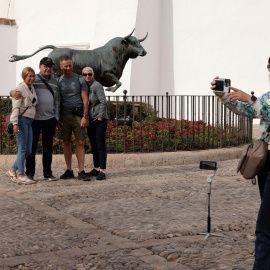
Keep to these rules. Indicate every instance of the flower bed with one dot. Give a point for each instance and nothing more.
(150, 135)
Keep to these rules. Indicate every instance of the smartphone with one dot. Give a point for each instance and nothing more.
(208, 165)
(222, 85)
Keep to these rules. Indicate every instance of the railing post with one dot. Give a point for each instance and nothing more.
(116, 116)
(167, 105)
(125, 116)
(168, 117)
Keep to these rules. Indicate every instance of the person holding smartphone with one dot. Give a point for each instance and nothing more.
(249, 105)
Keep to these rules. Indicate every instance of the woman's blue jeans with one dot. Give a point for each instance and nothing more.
(24, 143)
(262, 243)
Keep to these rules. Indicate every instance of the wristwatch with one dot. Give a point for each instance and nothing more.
(252, 98)
(86, 116)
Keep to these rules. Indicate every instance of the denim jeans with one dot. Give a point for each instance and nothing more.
(262, 243)
(47, 129)
(97, 136)
(24, 143)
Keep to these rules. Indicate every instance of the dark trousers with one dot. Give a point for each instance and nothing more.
(47, 129)
(262, 243)
(97, 136)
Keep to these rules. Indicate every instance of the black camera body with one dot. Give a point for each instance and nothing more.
(222, 85)
(208, 165)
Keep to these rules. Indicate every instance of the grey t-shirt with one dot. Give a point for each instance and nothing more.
(70, 93)
(48, 106)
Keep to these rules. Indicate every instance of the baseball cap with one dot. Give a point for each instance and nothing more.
(46, 61)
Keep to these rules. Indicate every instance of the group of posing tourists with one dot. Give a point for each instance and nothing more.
(72, 103)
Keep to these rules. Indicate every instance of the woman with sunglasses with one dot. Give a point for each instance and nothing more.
(23, 112)
(97, 124)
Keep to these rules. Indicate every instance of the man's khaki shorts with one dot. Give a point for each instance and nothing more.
(71, 123)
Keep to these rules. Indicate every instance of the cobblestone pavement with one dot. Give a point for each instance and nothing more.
(139, 218)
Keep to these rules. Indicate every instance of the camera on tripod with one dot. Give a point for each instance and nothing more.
(210, 166)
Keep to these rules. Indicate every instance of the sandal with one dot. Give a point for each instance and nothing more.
(12, 176)
(25, 180)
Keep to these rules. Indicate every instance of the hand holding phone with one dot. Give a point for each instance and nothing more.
(222, 85)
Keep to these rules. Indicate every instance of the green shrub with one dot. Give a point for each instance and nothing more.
(6, 106)
(145, 110)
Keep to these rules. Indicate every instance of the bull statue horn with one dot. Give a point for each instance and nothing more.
(129, 34)
(141, 40)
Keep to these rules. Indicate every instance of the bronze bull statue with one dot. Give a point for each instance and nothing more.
(108, 61)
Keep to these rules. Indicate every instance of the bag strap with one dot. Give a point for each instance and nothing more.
(22, 113)
(48, 86)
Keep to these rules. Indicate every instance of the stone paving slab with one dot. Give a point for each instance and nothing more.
(145, 218)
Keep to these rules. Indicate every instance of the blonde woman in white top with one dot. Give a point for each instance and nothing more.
(23, 125)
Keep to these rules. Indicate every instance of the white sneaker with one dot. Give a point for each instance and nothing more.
(25, 180)
(12, 176)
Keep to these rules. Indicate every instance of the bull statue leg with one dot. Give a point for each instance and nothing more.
(113, 80)
(113, 89)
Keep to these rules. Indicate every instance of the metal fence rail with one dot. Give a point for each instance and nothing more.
(158, 123)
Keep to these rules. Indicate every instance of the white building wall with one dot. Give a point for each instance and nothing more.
(8, 46)
(145, 70)
(7, 9)
(153, 74)
(189, 42)
(226, 38)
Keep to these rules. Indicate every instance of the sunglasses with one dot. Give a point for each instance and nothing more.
(47, 66)
(87, 74)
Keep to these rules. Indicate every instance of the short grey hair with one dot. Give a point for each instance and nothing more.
(87, 68)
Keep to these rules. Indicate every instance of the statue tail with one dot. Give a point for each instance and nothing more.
(15, 58)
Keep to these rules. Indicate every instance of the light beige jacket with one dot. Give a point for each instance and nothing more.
(18, 106)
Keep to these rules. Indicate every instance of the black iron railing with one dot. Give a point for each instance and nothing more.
(158, 123)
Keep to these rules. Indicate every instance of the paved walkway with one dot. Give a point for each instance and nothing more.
(144, 218)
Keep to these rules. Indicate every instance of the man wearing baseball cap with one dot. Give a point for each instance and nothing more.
(47, 115)
(46, 61)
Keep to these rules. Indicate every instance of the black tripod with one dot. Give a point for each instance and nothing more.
(208, 234)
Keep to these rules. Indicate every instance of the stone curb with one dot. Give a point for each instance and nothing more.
(142, 159)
